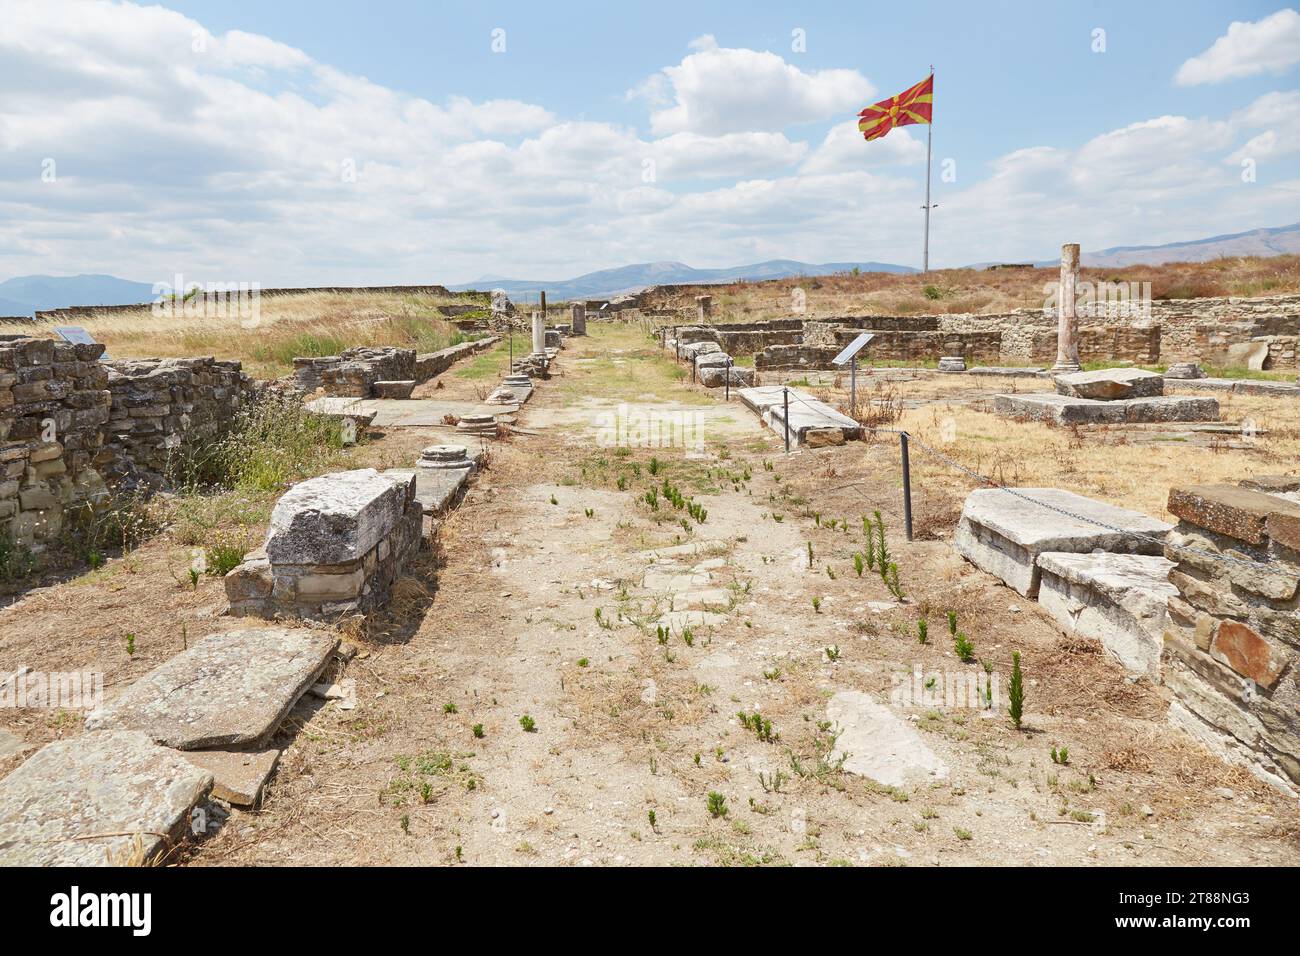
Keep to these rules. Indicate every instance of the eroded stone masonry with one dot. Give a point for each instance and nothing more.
(1261, 333)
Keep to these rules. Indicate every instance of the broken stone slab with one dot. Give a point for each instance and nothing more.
(393, 389)
(1171, 408)
(674, 581)
(706, 600)
(1007, 371)
(714, 377)
(335, 518)
(1067, 410)
(874, 742)
(952, 363)
(689, 352)
(1184, 370)
(1004, 533)
(239, 776)
(709, 546)
(228, 690)
(1061, 409)
(1109, 384)
(1118, 599)
(83, 801)
(713, 359)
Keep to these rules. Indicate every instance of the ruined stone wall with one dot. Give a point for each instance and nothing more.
(161, 406)
(354, 372)
(431, 364)
(336, 545)
(1233, 642)
(54, 402)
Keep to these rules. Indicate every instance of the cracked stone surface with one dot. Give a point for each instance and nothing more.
(77, 802)
(227, 690)
(878, 744)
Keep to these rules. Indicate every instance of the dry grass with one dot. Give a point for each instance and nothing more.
(1130, 466)
(286, 327)
(953, 291)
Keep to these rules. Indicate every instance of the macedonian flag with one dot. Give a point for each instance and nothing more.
(911, 106)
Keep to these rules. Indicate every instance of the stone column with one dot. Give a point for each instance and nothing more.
(578, 320)
(704, 305)
(539, 332)
(1067, 330)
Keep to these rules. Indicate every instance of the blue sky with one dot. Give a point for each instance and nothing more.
(297, 142)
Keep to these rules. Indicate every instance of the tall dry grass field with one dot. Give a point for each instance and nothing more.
(954, 291)
(283, 328)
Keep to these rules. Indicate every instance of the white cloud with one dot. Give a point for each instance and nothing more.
(1270, 45)
(717, 90)
(227, 163)
(844, 150)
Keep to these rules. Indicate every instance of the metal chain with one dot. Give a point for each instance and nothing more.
(992, 483)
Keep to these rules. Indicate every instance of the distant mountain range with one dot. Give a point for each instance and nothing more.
(26, 294)
(1279, 241)
(608, 282)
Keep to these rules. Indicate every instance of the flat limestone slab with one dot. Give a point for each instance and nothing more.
(228, 690)
(75, 802)
(335, 518)
(1118, 599)
(675, 581)
(705, 600)
(1062, 409)
(1108, 384)
(712, 546)
(436, 489)
(1068, 410)
(239, 776)
(879, 744)
(806, 412)
(1004, 534)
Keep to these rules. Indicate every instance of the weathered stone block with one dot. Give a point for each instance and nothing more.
(1246, 652)
(1111, 383)
(335, 518)
(1236, 512)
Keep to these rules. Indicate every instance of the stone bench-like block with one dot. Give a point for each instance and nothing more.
(1118, 599)
(336, 545)
(1003, 533)
(334, 518)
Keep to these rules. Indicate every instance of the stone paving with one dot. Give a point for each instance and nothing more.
(227, 690)
(85, 801)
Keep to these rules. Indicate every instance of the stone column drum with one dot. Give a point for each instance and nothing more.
(1067, 330)
(539, 333)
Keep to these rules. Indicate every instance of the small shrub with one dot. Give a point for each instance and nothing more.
(717, 804)
(1016, 690)
(529, 725)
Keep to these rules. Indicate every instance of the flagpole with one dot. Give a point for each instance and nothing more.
(929, 138)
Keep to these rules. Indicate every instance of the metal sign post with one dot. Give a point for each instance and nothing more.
(853, 388)
(907, 485)
(785, 396)
(850, 355)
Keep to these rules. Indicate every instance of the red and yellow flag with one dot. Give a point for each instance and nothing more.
(913, 105)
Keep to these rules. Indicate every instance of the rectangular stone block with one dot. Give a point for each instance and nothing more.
(1236, 512)
(1004, 533)
(335, 518)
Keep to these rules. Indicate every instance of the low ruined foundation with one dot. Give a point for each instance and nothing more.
(336, 545)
